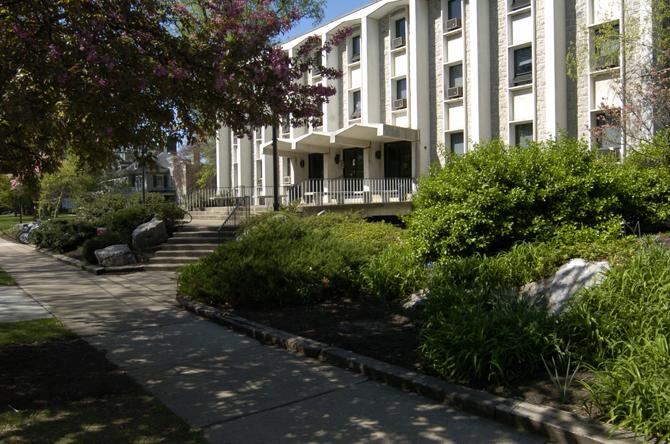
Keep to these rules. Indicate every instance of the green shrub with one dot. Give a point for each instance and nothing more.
(285, 260)
(62, 235)
(168, 212)
(479, 330)
(125, 220)
(99, 242)
(395, 273)
(632, 304)
(495, 196)
(633, 390)
(98, 206)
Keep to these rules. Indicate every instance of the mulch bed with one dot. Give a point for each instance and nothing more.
(389, 333)
(44, 375)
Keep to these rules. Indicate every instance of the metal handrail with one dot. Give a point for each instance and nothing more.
(243, 203)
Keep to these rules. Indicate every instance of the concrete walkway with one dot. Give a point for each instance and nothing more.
(235, 389)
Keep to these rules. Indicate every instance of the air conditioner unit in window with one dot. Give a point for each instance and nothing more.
(356, 115)
(398, 42)
(522, 79)
(454, 23)
(400, 104)
(518, 4)
(259, 182)
(355, 58)
(287, 180)
(456, 91)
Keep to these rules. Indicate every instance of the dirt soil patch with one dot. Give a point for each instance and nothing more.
(389, 333)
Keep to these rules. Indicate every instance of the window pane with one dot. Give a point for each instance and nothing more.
(401, 89)
(400, 28)
(456, 143)
(606, 48)
(454, 9)
(523, 61)
(455, 76)
(356, 45)
(356, 99)
(523, 134)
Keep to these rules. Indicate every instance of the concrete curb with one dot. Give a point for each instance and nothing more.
(557, 425)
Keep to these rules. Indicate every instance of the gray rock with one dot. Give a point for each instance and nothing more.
(555, 291)
(115, 256)
(416, 300)
(150, 234)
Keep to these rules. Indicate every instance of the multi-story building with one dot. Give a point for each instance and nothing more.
(419, 75)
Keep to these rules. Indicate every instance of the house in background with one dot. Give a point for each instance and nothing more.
(419, 75)
(157, 174)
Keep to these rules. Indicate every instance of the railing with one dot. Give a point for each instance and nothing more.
(238, 213)
(319, 192)
(310, 192)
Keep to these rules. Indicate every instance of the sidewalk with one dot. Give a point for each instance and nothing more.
(235, 389)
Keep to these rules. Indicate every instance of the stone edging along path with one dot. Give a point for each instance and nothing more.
(558, 425)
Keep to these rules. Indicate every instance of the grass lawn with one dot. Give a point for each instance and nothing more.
(5, 278)
(7, 221)
(56, 388)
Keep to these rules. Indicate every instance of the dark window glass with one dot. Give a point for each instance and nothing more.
(356, 102)
(400, 28)
(523, 64)
(166, 182)
(401, 89)
(454, 9)
(606, 48)
(356, 47)
(455, 76)
(523, 134)
(456, 143)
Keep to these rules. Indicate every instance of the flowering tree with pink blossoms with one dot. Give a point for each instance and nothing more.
(92, 76)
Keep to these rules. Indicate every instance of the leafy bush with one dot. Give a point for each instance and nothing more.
(395, 273)
(495, 196)
(168, 212)
(98, 206)
(284, 260)
(479, 330)
(62, 235)
(125, 220)
(99, 242)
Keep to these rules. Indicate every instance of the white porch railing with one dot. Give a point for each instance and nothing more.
(310, 192)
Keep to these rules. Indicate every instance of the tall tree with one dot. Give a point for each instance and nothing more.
(91, 76)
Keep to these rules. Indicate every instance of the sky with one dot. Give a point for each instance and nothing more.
(332, 10)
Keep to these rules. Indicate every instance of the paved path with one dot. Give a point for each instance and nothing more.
(16, 305)
(235, 389)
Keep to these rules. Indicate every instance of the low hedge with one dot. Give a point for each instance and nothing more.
(62, 235)
(283, 259)
(100, 242)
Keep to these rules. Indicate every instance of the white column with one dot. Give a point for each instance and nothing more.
(419, 92)
(555, 68)
(480, 80)
(370, 82)
(245, 159)
(223, 149)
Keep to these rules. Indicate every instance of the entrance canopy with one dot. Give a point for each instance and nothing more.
(359, 135)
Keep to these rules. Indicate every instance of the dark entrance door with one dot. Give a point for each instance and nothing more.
(315, 164)
(353, 163)
(398, 159)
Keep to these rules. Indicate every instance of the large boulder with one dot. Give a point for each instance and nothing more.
(115, 256)
(150, 234)
(555, 291)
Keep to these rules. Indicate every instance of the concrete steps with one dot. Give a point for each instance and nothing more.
(191, 243)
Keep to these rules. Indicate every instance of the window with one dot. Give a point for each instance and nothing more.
(401, 89)
(259, 169)
(166, 181)
(286, 167)
(400, 28)
(454, 9)
(523, 65)
(606, 48)
(156, 180)
(456, 76)
(518, 4)
(607, 132)
(456, 143)
(355, 48)
(355, 104)
(523, 134)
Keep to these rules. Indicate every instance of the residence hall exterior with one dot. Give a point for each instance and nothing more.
(425, 75)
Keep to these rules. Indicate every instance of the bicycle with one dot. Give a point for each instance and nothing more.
(23, 235)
